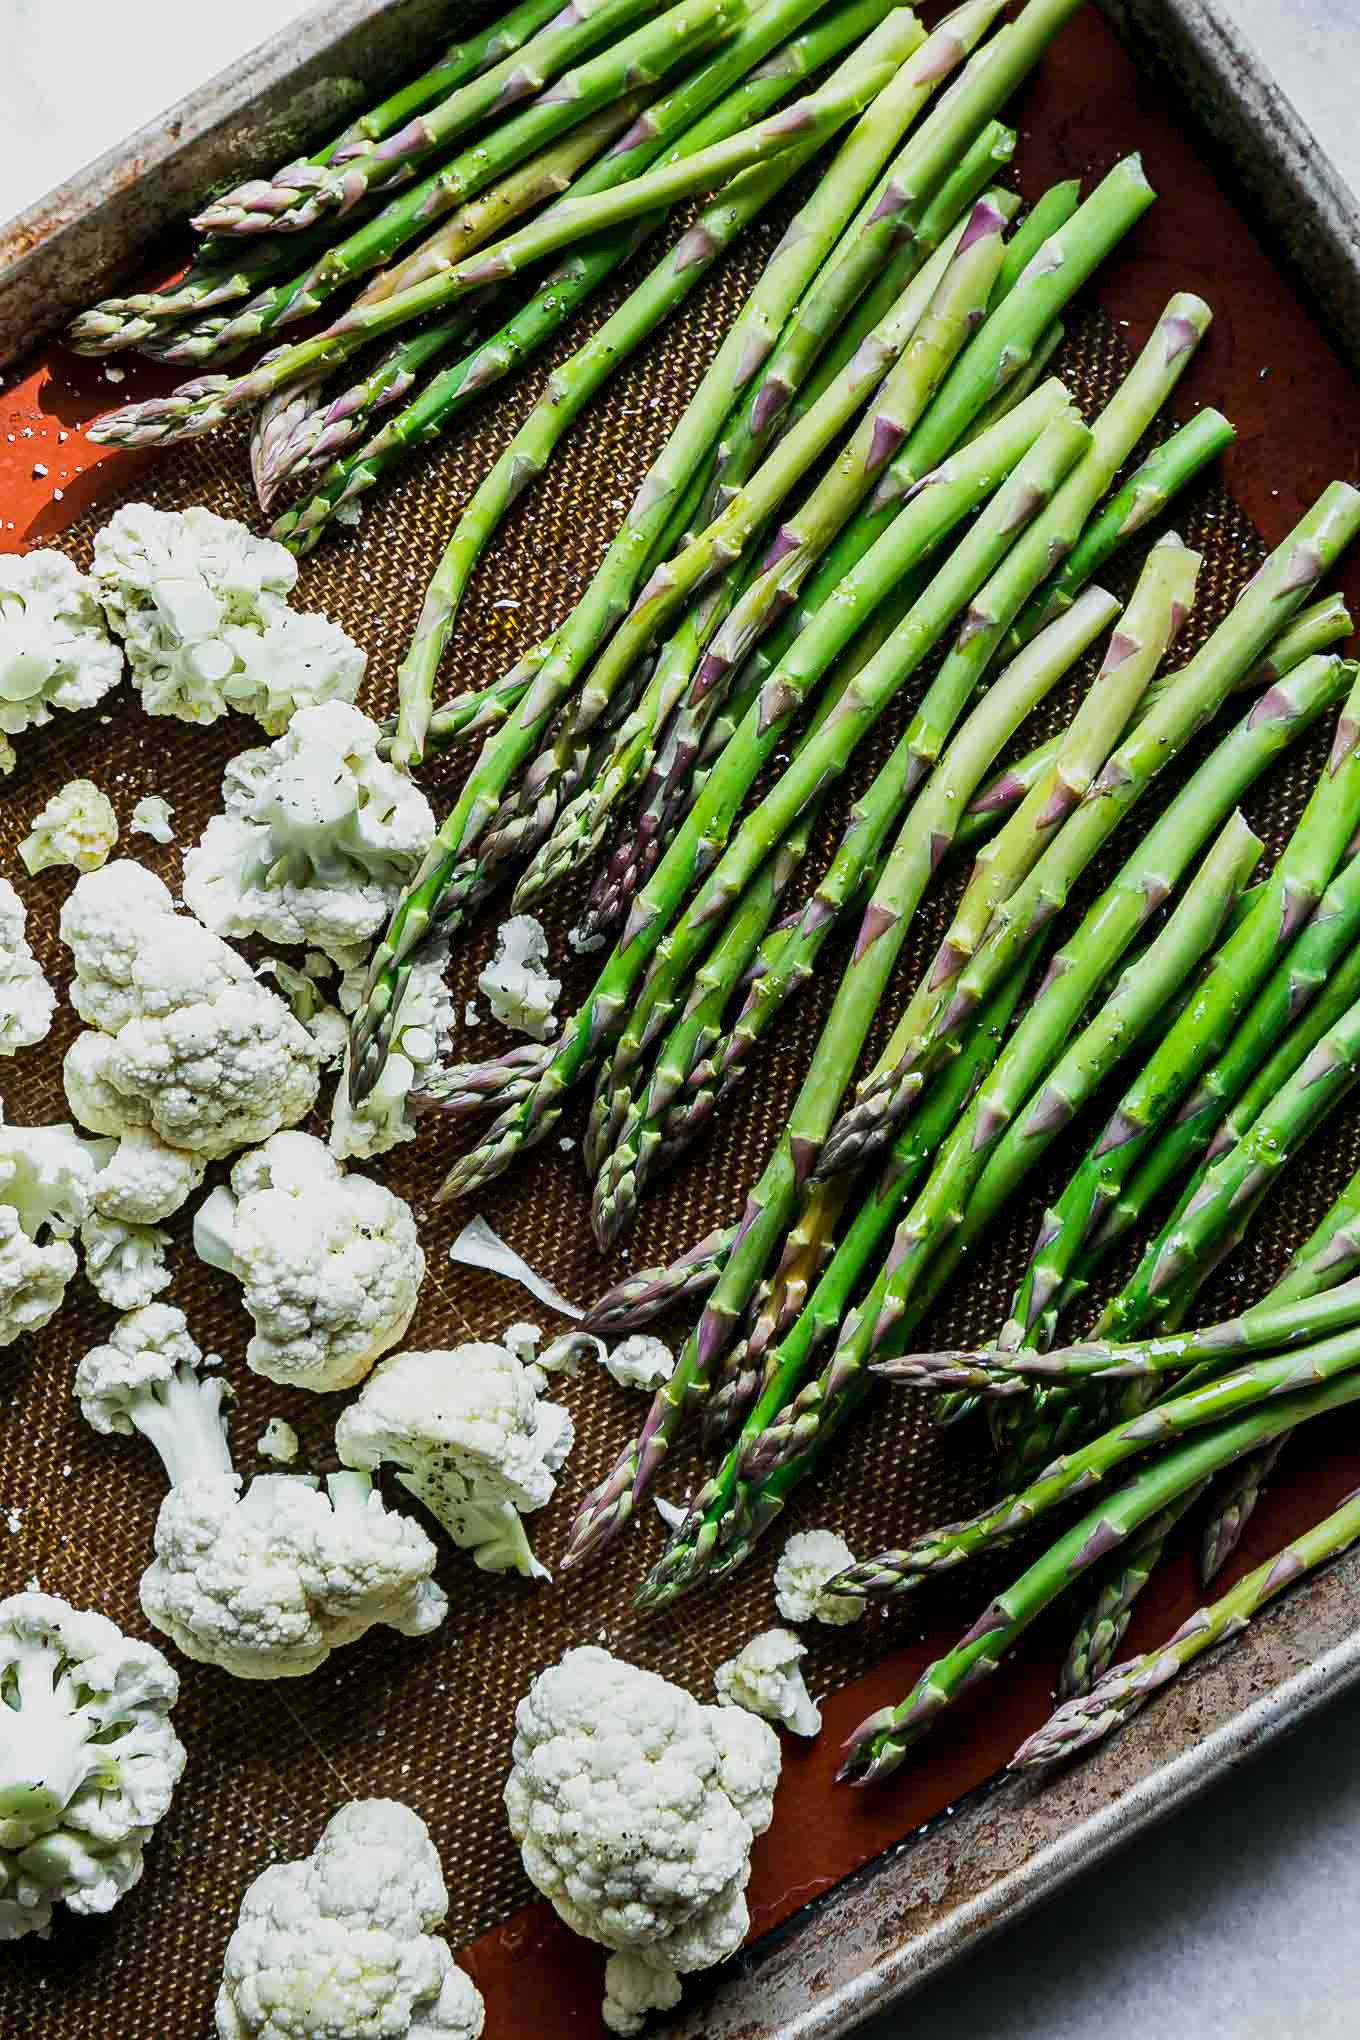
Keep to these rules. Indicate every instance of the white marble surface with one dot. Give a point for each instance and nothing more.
(1237, 1922)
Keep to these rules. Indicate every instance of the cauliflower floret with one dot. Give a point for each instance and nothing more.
(8, 757)
(266, 1584)
(125, 1263)
(33, 1278)
(145, 1180)
(764, 1678)
(27, 1001)
(296, 662)
(54, 649)
(633, 1987)
(146, 1378)
(343, 1942)
(807, 1562)
(172, 582)
(425, 1022)
(200, 604)
(470, 1438)
(318, 838)
(192, 1045)
(330, 1262)
(47, 1180)
(642, 1361)
(635, 1808)
(88, 1761)
(77, 827)
(520, 992)
(152, 817)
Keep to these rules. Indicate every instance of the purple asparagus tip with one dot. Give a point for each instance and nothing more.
(984, 220)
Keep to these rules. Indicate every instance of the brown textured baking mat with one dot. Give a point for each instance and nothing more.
(430, 1721)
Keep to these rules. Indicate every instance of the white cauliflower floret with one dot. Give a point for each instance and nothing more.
(54, 649)
(635, 1808)
(296, 662)
(318, 838)
(266, 1584)
(88, 1760)
(33, 1278)
(341, 1945)
(145, 1179)
(330, 1262)
(200, 604)
(641, 1361)
(633, 1987)
(807, 1562)
(521, 993)
(125, 1263)
(424, 1028)
(47, 1182)
(192, 1045)
(152, 817)
(77, 827)
(469, 1437)
(27, 1001)
(764, 1678)
(146, 1378)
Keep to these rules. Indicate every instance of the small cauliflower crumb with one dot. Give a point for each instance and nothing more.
(152, 817)
(279, 1441)
(77, 827)
(764, 1678)
(807, 1562)
(521, 993)
(471, 1017)
(642, 1361)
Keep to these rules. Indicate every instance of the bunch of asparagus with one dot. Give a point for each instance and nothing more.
(586, 126)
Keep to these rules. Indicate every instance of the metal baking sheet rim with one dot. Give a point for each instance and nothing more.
(1011, 1845)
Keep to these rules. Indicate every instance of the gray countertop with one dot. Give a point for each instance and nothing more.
(1227, 1924)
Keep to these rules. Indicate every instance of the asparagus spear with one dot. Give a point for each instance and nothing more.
(1315, 629)
(641, 1298)
(1330, 1254)
(718, 1529)
(1325, 1076)
(222, 271)
(1160, 603)
(1271, 1326)
(1103, 1626)
(919, 529)
(669, 125)
(200, 406)
(303, 194)
(880, 1743)
(954, 309)
(1119, 1695)
(1197, 693)
(1233, 1508)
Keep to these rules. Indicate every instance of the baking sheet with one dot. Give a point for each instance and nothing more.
(269, 1763)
